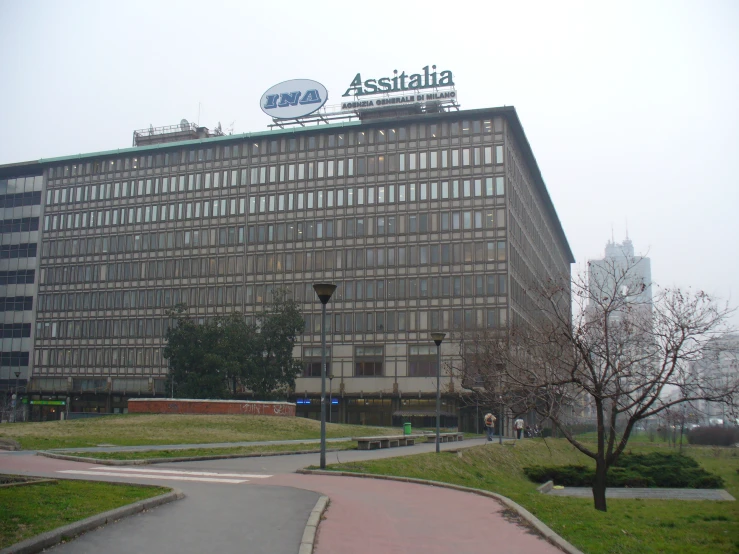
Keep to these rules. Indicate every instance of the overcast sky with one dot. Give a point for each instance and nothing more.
(630, 108)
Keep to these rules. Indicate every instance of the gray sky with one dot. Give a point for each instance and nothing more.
(630, 108)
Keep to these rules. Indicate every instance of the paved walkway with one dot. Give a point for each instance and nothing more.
(389, 517)
(267, 514)
(657, 494)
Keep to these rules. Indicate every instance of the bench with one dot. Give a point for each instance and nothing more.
(446, 437)
(373, 443)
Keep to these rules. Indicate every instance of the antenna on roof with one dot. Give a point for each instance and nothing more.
(627, 228)
(184, 124)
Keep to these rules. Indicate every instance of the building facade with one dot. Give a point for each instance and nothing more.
(427, 221)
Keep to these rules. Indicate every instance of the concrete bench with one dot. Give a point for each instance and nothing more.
(446, 437)
(373, 443)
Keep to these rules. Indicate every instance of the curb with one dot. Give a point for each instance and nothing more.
(148, 461)
(311, 527)
(523, 513)
(55, 536)
(27, 483)
(546, 487)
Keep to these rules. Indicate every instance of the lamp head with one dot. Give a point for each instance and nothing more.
(324, 291)
(17, 374)
(438, 338)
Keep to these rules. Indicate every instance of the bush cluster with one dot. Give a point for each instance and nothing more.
(714, 436)
(656, 469)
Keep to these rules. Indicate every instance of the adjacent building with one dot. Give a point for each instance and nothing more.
(425, 221)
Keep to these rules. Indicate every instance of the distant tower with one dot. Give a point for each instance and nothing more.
(619, 257)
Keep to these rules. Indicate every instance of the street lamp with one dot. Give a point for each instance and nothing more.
(324, 292)
(15, 396)
(438, 338)
(330, 391)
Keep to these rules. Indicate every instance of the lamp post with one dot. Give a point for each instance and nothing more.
(15, 396)
(324, 292)
(330, 391)
(438, 338)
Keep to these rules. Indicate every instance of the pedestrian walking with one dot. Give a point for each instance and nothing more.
(519, 425)
(490, 425)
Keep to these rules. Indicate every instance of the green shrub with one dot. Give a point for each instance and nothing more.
(633, 470)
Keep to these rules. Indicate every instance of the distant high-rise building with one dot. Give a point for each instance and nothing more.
(634, 275)
(622, 272)
(718, 365)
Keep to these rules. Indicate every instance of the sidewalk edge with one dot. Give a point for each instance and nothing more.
(147, 461)
(55, 536)
(527, 516)
(308, 541)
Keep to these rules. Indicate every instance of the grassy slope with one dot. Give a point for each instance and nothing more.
(241, 450)
(132, 430)
(29, 510)
(629, 526)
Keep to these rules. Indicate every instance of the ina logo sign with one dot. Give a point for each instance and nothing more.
(295, 98)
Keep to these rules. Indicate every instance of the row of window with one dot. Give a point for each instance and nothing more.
(379, 164)
(133, 271)
(282, 173)
(17, 277)
(19, 225)
(32, 198)
(416, 368)
(17, 185)
(145, 187)
(381, 194)
(14, 359)
(225, 207)
(103, 328)
(146, 214)
(142, 298)
(143, 242)
(411, 223)
(371, 257)
(360, 290)
(299, 261)
(16, 303)
(15, 330)
(24, 250)
(281, 232)
(267, 146)
(100, 357)
(408, 321)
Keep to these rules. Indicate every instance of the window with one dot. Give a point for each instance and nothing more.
(368, 360)
(312, 361)
(20, 277)
(422, 361)
(16, 303)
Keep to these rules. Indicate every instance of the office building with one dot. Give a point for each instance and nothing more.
(426, 220)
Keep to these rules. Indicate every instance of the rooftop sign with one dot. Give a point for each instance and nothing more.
(295, 98)
(400, 83)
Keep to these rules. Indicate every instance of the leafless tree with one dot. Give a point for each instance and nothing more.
(611, 349)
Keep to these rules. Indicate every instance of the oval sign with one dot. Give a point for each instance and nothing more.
(294, 98)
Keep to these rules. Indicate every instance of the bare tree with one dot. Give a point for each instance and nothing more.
(612, 349)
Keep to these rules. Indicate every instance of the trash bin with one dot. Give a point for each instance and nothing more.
(406, 428)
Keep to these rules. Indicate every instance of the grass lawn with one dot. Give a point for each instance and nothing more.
(629, 526)
(145, 429)
(33, 509)
(236, 450)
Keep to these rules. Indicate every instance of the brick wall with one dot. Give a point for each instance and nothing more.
(229, 407)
